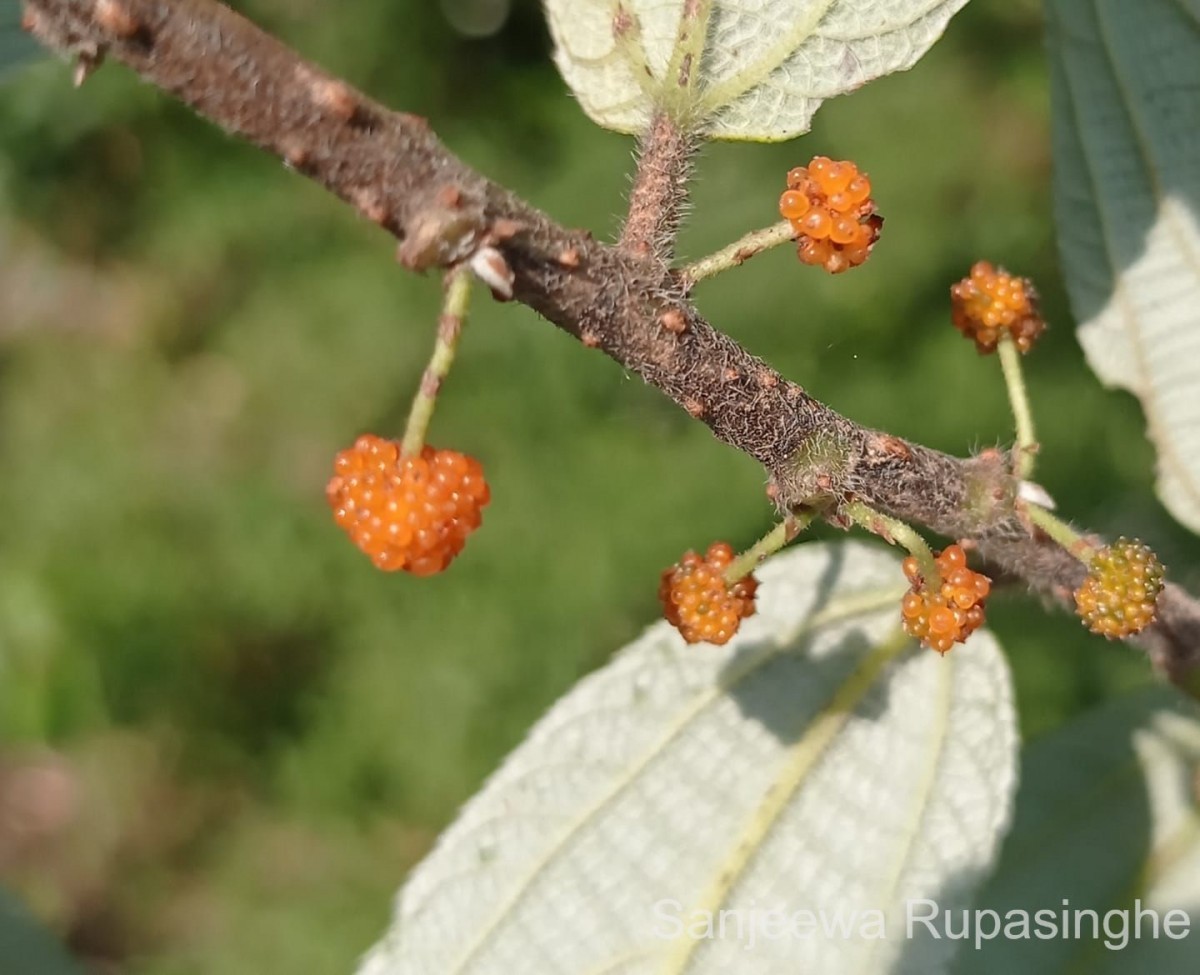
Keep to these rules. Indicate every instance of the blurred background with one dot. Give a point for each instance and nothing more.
(224, 737)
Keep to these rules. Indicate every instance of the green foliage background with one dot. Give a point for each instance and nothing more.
(267, 732)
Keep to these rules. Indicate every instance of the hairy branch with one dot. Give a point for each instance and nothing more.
(623, 300)
(659, 196)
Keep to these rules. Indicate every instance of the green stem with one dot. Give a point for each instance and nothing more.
(1061, 532)
(450, 325)
(738, 252)
(768, 545)
(1014, 379)
(895, 531)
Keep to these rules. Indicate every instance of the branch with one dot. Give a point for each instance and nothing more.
(622, 300)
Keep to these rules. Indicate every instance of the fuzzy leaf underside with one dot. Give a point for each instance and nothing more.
(820, 761)
(1126, 103)
(733, 69)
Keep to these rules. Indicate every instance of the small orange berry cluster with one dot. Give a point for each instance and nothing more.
(989, 302)
(829, 206)
(700, 603)
(950, 614)
(406, 512)
(1119, 597)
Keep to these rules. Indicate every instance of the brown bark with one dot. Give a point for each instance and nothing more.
(621, 299)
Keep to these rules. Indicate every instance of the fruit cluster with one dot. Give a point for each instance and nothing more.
(700, 603)
(989, 302)
(829, 206)
(406, 512)
(1120, 594)
(947, 615)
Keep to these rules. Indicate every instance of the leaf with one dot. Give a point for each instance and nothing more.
(733, 69)
(1126, 100)
(819, 762)
(1107, 814)
(26, 948)
(16, 47)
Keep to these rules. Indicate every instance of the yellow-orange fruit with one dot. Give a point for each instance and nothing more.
(1119, 597)
(989, 302)
(410, 513)
(699, 602)
(947, 615)
(830, 208)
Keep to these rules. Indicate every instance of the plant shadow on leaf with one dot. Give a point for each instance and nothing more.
(762, 679)
(1084, 838)
(724, 778)
(309, 315)
(769, 701)
(1099, 107)
(1127, 205)
(782, 686)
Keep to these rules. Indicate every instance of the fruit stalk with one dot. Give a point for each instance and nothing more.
(737, 253)
(1014, 378)
(1061, 532)
(767, 546)
(895, 532)
(450, 325)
